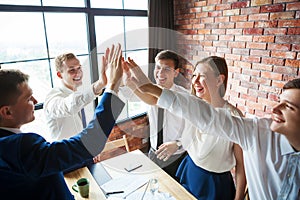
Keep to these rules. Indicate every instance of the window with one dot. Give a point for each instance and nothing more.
(35, 35)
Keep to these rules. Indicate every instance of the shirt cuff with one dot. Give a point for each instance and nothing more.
(110, 91)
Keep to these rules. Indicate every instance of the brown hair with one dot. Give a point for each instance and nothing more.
(292, 84)
(167, 54)
(10, 79)
(219, 66)
(59, 60)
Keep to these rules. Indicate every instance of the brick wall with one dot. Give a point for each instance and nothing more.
(260, 39)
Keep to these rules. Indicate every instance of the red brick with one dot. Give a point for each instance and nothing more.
(257, 52)
(261, 81)
(241, 64)
(218, 31)
(256, 45)
(231, 12)
(249, 11)
(223, 7)
(264, 67)
(293, 6)
(220, 43)
(200, 3)
(237, 44)
(223, 50)
(242, 77)
(232, 57)
(263, 38)
(240, 89)
(251, 59)
(213, 2)
(282, 47)
(272, 8)
(282, 15)
(234, 31)
(208, 8)
(253, 31)
(203, 31)
(278, 85)
(241, 4)
(244, 24)
(289, 23)
(245, 38)
(260, 2)
(296, 47)
(182, 22)
(285, 70)
(266, 24)
(206, 43)
(292, 63)
(221, 19)
(283, 54)
(249, 85)
(283, 1)
(271, 75)
(211, 49)
(275, 31)
(259, 17)
(212, 26)
(293, 31)
(272, 61)
(226, 25)
(251, 72)
(226, 37)
(268, 89)
(195, 10)
(200, 15)
(238, 18)
(198, 37)
(258, 93)
(211, 37)
(254, 105)
(207, 20)
(215, 13)
(240, 51)
(198, 26)
(268, 102)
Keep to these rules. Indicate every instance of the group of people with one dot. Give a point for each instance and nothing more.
(201, 139)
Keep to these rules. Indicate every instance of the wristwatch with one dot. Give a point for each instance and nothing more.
(178, 143)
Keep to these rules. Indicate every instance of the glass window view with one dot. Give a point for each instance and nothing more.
(30, 41)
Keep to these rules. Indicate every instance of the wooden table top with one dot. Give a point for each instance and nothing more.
(115, 167)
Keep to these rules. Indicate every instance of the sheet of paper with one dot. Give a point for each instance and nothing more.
(128, 184)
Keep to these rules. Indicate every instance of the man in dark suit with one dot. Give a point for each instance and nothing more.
(30, 167)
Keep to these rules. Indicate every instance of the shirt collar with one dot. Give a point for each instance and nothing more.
(285, 146)
(14, 130)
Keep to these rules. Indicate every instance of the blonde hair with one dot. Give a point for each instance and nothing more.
(59, 60)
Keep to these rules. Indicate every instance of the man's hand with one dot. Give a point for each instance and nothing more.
(134, 76)
(114, 68)
(166, 150)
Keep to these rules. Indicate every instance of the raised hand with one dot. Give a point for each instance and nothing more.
(134, 76)
(114, 67)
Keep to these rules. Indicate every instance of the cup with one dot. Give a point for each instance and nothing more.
(83, 187)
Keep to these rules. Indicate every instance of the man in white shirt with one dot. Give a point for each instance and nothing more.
(271, 146)
(63, 105)
(169, 153)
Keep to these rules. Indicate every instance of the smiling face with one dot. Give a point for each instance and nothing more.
(286, 114)
(205, 82)
(71, 73)
(164, 72)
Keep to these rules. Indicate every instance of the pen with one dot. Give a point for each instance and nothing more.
(129, 170)
(116, 192)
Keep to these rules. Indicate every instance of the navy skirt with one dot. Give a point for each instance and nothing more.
(205, 185)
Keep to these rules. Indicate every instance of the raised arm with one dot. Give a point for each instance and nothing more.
(139, 83)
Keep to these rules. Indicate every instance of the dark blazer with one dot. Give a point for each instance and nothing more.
(32, 168)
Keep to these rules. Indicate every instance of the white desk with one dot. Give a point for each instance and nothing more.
(115, 167)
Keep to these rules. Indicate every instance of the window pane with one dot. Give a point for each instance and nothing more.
(106, 36)
(66, 3)
(67, 32)
(136, 4)
(39, 79)
(22, 2)
(23, 37)
(117, 4)
(136, 27)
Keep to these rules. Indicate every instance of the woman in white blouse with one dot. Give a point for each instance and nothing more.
(205, 172)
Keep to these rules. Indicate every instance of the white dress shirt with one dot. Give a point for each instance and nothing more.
(213, 153)
(272, 165)
(62, 108)
(173, 125)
